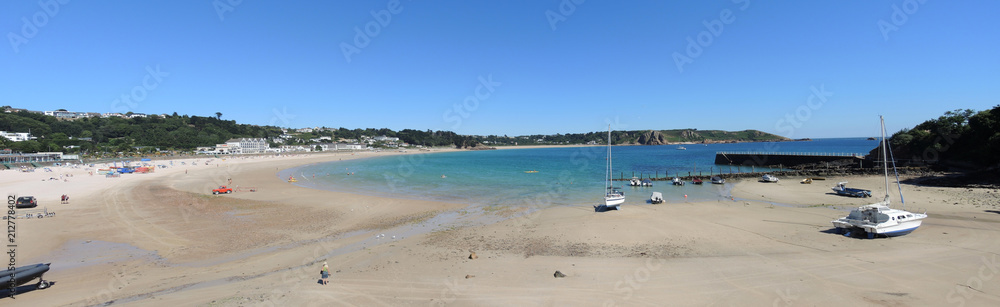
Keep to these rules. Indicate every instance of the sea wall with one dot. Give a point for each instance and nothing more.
(784, 159)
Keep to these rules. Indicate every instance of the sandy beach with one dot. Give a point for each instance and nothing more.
(163, 239)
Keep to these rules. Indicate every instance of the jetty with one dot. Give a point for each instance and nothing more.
(789, 159)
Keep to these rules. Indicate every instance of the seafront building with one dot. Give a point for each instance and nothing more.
(238, 146)
(7, 157)
(245, 146)
(341, 146)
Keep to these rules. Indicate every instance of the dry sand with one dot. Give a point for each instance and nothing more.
(162, 239)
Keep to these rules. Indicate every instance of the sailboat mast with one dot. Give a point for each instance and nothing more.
(609, 160)
(885, 157)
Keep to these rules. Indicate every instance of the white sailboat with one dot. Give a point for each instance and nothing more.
(613, 198)
(878, 218)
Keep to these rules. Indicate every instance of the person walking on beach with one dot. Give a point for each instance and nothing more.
(325, 273)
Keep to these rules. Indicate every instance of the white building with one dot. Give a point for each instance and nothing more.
(383, 138)
(67, 115)
(346, 146)
(17, 136)
(295, 148)
(341, 146)
(246, 145)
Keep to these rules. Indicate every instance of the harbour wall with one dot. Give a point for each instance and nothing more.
(783, 159)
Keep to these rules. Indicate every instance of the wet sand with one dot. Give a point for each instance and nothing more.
(163, 239)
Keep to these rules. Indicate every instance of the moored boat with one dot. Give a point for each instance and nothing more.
(656, 198)
(842, 189)
(613, 198)
(879, 219)
(647, 182)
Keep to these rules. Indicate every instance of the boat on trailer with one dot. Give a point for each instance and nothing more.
(23, 275)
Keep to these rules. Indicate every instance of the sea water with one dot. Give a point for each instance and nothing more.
(547, 176)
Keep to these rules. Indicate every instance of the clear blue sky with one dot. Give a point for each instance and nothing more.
(282, 63)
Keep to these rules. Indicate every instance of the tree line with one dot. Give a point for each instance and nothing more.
(127, 135)
(959, 138)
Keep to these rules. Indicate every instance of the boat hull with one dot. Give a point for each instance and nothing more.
(614, 200)
(888, 231)
(900, 232)
(23, 275)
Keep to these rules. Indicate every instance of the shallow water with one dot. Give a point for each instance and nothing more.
(565, 176)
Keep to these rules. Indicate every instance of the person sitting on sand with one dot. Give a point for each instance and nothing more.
(325, 273)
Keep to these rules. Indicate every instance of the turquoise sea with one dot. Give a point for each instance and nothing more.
(565, 175)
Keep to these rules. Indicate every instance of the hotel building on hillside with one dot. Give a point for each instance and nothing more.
(246, 145)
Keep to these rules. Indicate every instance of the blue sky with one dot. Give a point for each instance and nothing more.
(510, 67)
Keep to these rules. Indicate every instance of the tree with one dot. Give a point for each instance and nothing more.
(218, 115)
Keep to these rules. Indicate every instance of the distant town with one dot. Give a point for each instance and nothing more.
(31, 135)
(284, 141)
